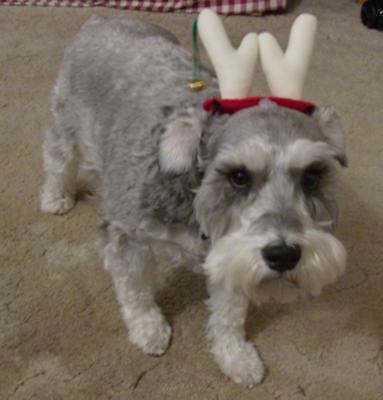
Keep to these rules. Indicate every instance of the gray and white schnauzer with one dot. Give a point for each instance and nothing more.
(249, 196)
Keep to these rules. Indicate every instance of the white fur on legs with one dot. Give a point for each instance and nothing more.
(60, 164)
(133, 282)
(149, 331)
(54, 198)
(237, 358)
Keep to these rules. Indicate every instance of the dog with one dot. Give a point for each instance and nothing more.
(250, 197)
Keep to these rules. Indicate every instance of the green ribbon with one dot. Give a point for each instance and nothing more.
(197, 76)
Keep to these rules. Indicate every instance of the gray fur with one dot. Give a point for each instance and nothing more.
(125, 81)
(162, 167)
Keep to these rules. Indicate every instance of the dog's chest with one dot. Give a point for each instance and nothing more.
(175, 244)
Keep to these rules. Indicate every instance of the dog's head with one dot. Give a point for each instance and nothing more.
(267, 198)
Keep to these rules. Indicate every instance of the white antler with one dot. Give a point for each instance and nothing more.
(285, 73)
(234, 68)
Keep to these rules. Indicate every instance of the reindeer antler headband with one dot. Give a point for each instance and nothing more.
(285, 72)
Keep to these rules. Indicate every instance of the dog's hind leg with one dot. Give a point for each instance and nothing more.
(59, 155)
(133, 268)
(60, 165)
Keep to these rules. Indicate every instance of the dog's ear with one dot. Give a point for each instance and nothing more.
(332, 129)
(180, 141)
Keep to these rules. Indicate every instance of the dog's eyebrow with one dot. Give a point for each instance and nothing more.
(227, 168)
(319, 167)
(305, 152)
(246, 155)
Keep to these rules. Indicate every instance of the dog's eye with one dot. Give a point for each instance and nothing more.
(240, 179)
(311, 177)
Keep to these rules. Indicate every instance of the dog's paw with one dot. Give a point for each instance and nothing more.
(151, 333)
(241, 363)
(56, 204)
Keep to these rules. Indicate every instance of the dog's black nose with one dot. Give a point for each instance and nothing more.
(281, 257)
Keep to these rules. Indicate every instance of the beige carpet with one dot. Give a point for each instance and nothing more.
(61, 336)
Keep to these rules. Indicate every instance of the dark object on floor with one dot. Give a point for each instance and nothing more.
(372, 14)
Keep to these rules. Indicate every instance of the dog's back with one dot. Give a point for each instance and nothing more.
(119, 79)
(118, 67)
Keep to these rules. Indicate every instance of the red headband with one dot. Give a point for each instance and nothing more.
(230, 106)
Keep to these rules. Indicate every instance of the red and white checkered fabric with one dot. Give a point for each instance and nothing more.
(228, 7)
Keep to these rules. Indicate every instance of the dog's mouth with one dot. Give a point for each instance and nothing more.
(280, 288)
(282, 279)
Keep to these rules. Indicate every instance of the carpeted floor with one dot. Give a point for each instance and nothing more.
(61, 336)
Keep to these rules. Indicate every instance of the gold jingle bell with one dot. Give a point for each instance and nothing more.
(196, 85)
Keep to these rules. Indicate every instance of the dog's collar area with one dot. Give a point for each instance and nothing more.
(231, 106)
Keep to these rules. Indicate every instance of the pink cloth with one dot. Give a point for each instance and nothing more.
(228, 7)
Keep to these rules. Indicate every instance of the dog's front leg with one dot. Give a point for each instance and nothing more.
(133, 272)
(226, 329)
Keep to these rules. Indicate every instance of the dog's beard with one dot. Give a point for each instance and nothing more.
(236, 262)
